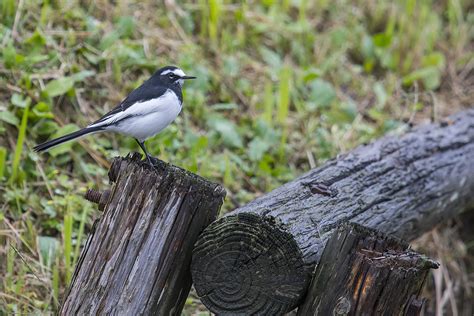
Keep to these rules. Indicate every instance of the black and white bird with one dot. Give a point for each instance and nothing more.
(145, 112)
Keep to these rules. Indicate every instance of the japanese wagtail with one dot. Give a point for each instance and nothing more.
(145, 112)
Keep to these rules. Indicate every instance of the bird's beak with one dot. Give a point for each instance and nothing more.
(188, 77)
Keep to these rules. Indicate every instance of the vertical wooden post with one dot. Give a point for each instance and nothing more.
(363, 272)
(136, 260)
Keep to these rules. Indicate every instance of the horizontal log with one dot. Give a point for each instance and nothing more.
(136, 259)
(365, 272)
(259, 258)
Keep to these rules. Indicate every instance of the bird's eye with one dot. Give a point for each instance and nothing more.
(172, 76)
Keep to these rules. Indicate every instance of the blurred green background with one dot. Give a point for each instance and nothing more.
(283, 85)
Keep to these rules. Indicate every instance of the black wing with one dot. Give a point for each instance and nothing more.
(147, 91)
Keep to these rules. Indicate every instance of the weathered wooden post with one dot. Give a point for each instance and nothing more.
(259, 258)
(136, 260)
(364, 272)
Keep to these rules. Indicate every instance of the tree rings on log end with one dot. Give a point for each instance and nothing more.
(247, 264)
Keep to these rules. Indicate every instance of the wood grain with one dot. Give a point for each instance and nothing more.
(136, 260)
(365, 272)
(402, 186)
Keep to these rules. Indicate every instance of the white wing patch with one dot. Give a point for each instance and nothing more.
(145, 119)
(161, 104)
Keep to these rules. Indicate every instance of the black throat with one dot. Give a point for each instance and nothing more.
(176, 88)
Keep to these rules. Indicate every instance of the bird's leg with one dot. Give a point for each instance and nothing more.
(142, 146)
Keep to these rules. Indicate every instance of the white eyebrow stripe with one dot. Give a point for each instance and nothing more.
(177, 72)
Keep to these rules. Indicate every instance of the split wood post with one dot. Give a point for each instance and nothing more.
(136, 259)
(259, 258)
(364, 272)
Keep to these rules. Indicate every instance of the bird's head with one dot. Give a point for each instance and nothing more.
(172, 75)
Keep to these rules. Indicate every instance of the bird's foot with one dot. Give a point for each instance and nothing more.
(150, 160)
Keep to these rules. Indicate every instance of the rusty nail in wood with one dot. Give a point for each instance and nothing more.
(95, 196)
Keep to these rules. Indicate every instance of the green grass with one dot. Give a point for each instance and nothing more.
(282, 86)
(19, 143)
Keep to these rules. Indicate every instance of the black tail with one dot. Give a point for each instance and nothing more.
(54, 142)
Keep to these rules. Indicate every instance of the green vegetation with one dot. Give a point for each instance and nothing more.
(282, 86)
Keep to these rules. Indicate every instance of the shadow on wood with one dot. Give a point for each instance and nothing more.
(136, 260)
(364, 272)
(259, 258)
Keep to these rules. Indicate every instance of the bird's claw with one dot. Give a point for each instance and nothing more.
(150, 160)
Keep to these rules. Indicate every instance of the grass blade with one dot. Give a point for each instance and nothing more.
(284, 95)
(82, 224)
(55, 280)
(3, 158)
(67, 239)
(19, 143)
(268, 103)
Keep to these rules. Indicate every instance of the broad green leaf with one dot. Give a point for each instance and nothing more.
(257, 148)
(42, 110)
(227, 130)
(36, 41)
(42, 107)
(9, 56)
(270, 57)
(35, 58)
(82, 75)
(126, 26)
(9, 118)
(430, 76)
(231, 66)
(339, 37)
(19, 101)
(435, 59)
(108, 40)
(59, 86)
(342, 113)
(46, 127)
(48, 247)
(312, 74)
(322, 94)
(382, 39)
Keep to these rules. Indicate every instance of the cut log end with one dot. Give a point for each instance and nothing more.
(254, 268)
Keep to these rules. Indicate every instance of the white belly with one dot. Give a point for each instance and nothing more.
(143, 127)
(148, 118)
